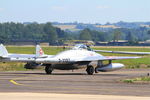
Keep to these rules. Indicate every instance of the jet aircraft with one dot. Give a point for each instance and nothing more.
(80, 56)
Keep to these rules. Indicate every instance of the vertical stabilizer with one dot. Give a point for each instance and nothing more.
(3, 51)
(39, 51)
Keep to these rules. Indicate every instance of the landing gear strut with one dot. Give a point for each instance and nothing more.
(90, 70)
(48, 69)
(96, 71)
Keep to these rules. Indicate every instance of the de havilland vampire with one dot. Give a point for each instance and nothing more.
(80, 56)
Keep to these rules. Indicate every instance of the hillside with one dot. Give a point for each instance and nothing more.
(105, 27)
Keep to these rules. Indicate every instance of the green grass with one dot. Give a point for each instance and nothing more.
(128, 81)
(139, 79)
(11, 66)
(129, 63)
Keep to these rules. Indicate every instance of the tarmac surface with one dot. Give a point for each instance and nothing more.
(77, 82)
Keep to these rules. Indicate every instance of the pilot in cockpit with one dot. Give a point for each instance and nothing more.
(88, 48)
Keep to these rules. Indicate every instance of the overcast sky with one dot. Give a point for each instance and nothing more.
(87, 11)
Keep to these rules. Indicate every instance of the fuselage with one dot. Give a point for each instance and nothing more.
(68, 60)
(69, 56)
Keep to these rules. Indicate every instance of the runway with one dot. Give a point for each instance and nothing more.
(77, 82)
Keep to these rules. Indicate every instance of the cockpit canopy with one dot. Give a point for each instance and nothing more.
(82, 47)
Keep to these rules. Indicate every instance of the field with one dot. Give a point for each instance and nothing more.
(143, 62)
(64, 27)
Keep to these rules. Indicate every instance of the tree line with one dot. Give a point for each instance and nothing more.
(133, 36)
(35, 32)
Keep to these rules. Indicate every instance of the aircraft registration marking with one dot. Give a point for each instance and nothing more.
(64, 60)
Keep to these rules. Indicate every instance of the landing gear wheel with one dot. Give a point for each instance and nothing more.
(90, 70)
(48, 69)
(96, 71)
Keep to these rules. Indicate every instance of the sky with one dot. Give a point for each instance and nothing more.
(85, 11)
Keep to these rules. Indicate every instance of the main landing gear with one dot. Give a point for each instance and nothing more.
(48, 69)
(90, 70)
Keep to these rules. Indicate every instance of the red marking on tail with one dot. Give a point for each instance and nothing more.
(41, 52)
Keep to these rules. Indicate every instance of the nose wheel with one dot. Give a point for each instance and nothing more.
(90, 70)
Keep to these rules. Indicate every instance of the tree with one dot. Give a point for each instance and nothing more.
(50, 33)
(148, 32)
(3, 38)
(131, 39)
(98, 36)
(116, 35)
(85, 34)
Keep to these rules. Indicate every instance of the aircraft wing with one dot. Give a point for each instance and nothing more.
(105, 58)
(119, 58)
(124, 52)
